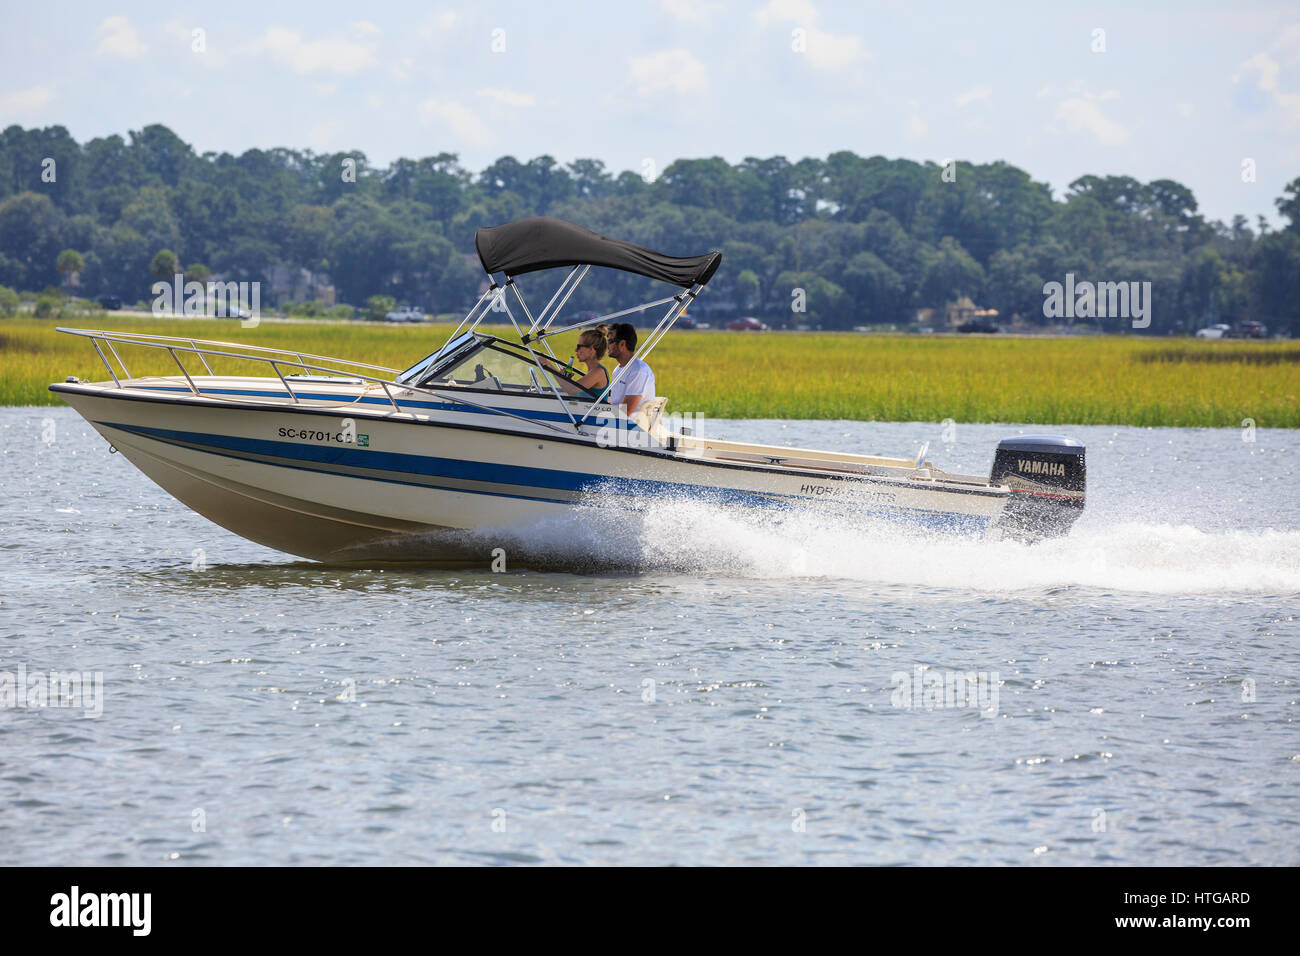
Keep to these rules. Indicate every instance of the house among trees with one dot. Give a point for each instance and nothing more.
(289, 283)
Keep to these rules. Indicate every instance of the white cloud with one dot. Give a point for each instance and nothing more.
(1264, 67)
(507, 97)
(334, 54)
(916, 128)
(26, 101)
(675, 71)
(829, 51)
(1290, 103)
(825, 51)
(788, 11)
(1266, 71)
(1083, 112)
(437, 23)
(118, 38)
(462, 122)
(689, 11)
(1289, 41)
(402, 69)
(973, 94)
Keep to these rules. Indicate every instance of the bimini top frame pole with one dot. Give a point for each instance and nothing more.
(539, 327)
(474, 315)
(568, 287)
(680, 302)
(539, 244)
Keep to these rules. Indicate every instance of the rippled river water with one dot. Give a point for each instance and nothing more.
(749, 693)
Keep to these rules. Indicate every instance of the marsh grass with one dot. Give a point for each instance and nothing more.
(1048, 381)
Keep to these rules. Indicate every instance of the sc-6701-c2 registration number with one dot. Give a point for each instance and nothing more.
(342, 438)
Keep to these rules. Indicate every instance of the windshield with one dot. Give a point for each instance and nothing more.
(488, 364)
(416, 372)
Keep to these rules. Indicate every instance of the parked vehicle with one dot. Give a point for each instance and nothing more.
(1218, 331)
(406, 313)
(227, 310)
(111, 302)
(1249, 330)
(747, 324)
(982, 326)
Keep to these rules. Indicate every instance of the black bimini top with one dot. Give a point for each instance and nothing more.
(541, 242)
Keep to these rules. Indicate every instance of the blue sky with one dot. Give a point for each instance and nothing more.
(1186, 91)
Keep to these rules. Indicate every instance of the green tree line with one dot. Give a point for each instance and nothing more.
(867, 240)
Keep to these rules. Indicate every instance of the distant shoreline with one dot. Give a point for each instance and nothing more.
(1045, 379)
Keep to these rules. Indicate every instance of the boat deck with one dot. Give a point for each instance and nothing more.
(806, 459)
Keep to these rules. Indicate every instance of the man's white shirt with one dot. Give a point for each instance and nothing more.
(635, 378)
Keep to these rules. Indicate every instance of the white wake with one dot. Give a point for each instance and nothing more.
(693, 537)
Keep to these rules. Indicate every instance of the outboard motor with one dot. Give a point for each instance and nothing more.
(1046, 476)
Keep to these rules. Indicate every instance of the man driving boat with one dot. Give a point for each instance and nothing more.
(634, 382)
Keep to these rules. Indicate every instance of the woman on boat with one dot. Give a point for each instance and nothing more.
(590, 350)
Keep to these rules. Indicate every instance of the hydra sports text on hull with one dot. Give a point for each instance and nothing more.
(338, 460)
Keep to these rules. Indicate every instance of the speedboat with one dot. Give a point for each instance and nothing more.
(338, 460)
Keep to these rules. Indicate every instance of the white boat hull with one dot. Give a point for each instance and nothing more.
(292, 477)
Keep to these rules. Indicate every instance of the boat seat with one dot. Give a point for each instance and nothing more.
(649, 412)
